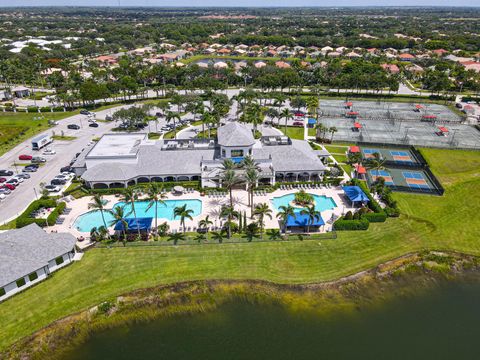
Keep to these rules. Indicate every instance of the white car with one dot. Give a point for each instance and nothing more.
(18, 178)
(2, 196)
(68, 174)
(49, 152)
(52, 188)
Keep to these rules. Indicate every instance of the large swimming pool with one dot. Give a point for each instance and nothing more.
(322, 202)
(91, 219)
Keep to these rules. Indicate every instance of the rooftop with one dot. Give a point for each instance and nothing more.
(116, 145)
(235, 134)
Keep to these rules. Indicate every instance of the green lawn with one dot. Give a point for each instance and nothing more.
(449, 222)
(294, 132)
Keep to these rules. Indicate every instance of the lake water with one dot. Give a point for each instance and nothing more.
(442, 324)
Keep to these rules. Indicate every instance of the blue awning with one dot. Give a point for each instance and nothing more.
(312, 121)
(133, 224)
(303, 220)
(237, 160)
(355, 193)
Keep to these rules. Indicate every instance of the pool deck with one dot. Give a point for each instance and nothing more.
(210, 206)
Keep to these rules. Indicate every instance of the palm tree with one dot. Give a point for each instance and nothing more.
(218, 236)
(312, 215)
(230, 213)
(228, 164)
(98, 204)
(262, 211)
(377, 163)
(155, 196)
(176, 237)
(287, 115)
(229, 181)
(332, 131)
(183, 213)
(200, 238)
(252, 231)
(251, 177)
(284, 212)
(320, 131)
(274, 234)
(205, 223)
(129, 197)
(119, 215)
(171, 115)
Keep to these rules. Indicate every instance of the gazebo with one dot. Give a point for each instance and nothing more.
(134, 224)
(355, 194)
(312, 122)
(303, 221)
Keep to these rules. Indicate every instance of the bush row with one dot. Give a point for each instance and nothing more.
(342, 224)
(24, 219)
(52, 218)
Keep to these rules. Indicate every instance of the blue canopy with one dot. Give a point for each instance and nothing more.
(355, 193)
(303, 220)
(312, 121)
(237, 160)
(134, 224)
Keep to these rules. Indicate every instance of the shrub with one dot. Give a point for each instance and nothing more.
(45, 109)
(32, 109)
(392, 212)
(375, 217)
(58, 108)
(348, 216)
(24, 219)
(342, 224)
(52, 218)
(302, 198)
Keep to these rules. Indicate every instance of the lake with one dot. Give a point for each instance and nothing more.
(440, 324)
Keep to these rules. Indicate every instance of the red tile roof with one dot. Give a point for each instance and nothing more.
(354, 149)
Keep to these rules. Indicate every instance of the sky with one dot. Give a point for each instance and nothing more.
(257, 3)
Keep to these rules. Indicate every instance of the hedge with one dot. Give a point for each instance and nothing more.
(52, 218)
(24, 219)
(342, 224)
(375, 217)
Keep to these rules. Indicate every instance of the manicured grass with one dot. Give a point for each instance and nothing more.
(63, 138)
(449, 222)
(340, 158)
(293, 132)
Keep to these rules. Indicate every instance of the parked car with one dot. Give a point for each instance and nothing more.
(62, 177)
(68, 174)
(58, 182)
(66, 169)
(52, 188)
(30, 168)
(49, 152)
(73, 127)
(458, 105)
(108, 118)
(38, 159)
(9, 186)
(25, 157)
(5, 191)
(16, 177)
(297, 123)
(23, 176)
(2, 196)
(93, 124)
(6, 172)
(13, 181)
(84, 112)
(2, 179)
(299, 113)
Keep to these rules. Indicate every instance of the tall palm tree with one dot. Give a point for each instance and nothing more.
(230, 213)
(129, 197)
(98, 204)
(287, 115)
(251, 177)
(377, 163)
(155, 196)
(262, 211)
(171, 115)
(229, 181)
(274, 234)
(218, 236)
(176, 237)
(312, 215)
(284, 212)
(119, 215)
(205, 223)
(332, 131)
(183, 213)
(252, 231)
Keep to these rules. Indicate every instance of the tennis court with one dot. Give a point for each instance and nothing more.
(415, 179)
(391, 154)
(375, 174)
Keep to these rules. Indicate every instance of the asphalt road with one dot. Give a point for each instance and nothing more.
(21, 197)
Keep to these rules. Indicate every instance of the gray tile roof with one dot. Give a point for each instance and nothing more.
(235, 134)
(25, 250)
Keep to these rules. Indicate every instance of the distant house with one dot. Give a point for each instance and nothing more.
(29, 255)
(334, 54)
(20, 91)
(406, 57)
(260, 64)
(224, 51)
(414, 69)
(106, 59)
(440, 52)
(173, 56)
(282, 65)
(353, 55)
(271, 52)
(471, 65)
(391, 68)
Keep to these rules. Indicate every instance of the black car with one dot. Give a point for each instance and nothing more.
(93, 124)
(66, 169)
(73, 127)
(58, 182)
(84, 112)
(6, 173)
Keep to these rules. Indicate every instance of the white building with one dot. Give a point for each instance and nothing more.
(28, 255)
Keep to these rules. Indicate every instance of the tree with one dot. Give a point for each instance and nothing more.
(332, 131)
(98, 204)
(229, 181)
(119, 216)
(274, 234)
(262, 211)
(129, 197)
(312, 215)
(284, 212)
(183, 213)
(201, 238)
(205, 223)
(176, 237)
(287, 115)
(230, 213)
(218, 236)
(376, 163)
(251, 177)
(131, 117)
(155, 196)
(298, 102)
(171, 115)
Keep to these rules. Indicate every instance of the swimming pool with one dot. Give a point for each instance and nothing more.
(322, 202)
(91, 219)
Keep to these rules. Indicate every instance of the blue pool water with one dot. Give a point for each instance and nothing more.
(322, 202)
(91, 219)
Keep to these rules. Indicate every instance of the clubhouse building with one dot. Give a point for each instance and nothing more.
(120, 160)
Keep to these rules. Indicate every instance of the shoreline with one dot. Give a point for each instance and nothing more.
(407, 275)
